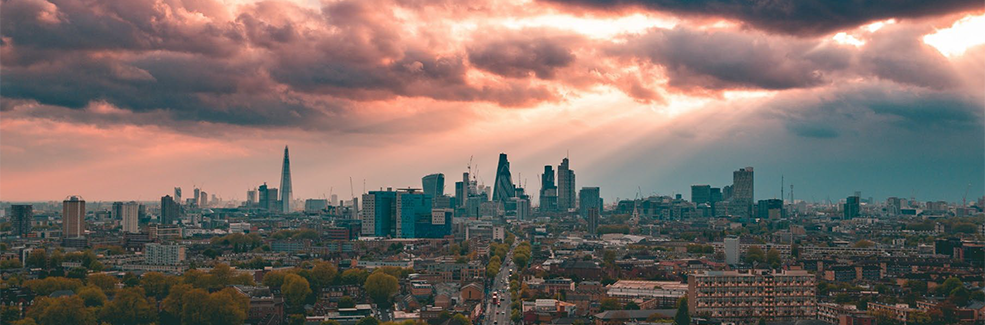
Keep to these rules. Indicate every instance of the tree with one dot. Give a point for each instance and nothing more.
(103, 281)
(37, 258)
(330, 322)
(130, 279)
(295, 289)
(61, 311)
(755, 254)
(773, 258)
(948, 286)
(381, 286)
(354, 276)
(457, 319)
(274, 279)
(631, 306)
(157, 284)
(92, 296)
(10, 264)
(46, 286)
(959, 296)
(130, 306)
(610, 304)
(368, 320)
(917, 286)
(682, 317)
(346, 302)
(323, 274)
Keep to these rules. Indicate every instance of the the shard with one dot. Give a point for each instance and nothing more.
(286, 193)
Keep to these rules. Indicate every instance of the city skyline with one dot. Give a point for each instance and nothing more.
(882, 99)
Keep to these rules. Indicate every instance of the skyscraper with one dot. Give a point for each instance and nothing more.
(852, 207)
(701, 194)
(251, 197)
(177, 194)
(195, 198)
(742, 191)
(593, 221)
(565, 186)
(548, 191)
(203, 199)
(170, 210)
(742, 184)
(412, 207)
(268, 198)
(589, 198)
(379, 208)
(286, 193)
(127, 213)
(21, 216)
(434, 185)
(504, 188)
(73, 217)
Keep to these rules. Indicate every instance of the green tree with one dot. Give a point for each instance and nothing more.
(354, 276)
(10, 264)
(37, 258)
(368, 320)
(61, 311)
(682, 317)
(381, 286)
(631, 306)
(330, 322)
(773, 258)
(917, 286)
(295, 289)
(157, 284)
(103, 281)
(346, 302)
(610, 304)
(92, 296)
(130, 306)
(323, 274)
(755, 254)
(46, 286)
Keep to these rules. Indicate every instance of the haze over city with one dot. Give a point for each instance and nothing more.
(117, 100)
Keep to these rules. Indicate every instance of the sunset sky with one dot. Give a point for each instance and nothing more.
(124, 100)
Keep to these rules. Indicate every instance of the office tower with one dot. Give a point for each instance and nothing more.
(127, 213)
(434, 185)
(334, 199)
(251, 197)
(437, 226)
(286, 191)
(170, 210)
(770, 209)
(177, 194)
(548, 191)
(379, 208)
(589, 198)
(73, 217)
(715, 195)
(196, 196)
(852, 207)
(701, 194)
(459, 193)
(523, 210)
(747, 295)
(565, 186)
(727, 193)
(21, 216)
(593, 221)
(412, 206)
(742, 184)
(268, 198)
(742, 192)
(203, 199)
(893, 206)
(315, 205)
(732, 250)
(504, 189)
(466, 189)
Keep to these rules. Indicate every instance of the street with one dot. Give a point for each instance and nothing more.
(499, 314)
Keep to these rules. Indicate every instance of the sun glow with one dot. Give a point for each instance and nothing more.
(955, 40)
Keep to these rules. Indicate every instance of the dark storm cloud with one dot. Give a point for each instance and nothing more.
(872, 107)
(521, 56)
(796, 17)
(272, 63)
(728, 60)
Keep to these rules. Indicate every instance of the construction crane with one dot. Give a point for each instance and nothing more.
(352, 194)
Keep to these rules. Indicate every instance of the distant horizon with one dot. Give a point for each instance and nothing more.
(884, 98)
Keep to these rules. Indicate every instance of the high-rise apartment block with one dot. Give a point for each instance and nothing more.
(73, 217)
(565, 186)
